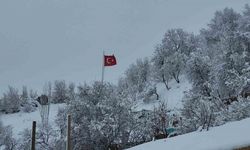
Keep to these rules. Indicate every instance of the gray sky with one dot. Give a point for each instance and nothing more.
(46, 40)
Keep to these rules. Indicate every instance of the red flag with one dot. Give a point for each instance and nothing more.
(109, 60)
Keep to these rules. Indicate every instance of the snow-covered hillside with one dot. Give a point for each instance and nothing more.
(173, 97)
(20, 121)
(229, 136)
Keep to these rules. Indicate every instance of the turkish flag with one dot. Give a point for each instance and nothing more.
(109, 60)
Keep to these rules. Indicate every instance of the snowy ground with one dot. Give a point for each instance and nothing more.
(20, 121)
(226, 137)
(172, 97)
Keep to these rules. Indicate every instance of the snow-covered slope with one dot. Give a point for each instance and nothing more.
(173, 97)
(20, 121)
(226, 137)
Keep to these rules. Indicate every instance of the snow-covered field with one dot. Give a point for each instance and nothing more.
(226, 137)
(20, 121)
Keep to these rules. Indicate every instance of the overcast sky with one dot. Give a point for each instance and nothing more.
(47, 40)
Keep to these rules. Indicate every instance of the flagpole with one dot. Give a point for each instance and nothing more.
(103, 67)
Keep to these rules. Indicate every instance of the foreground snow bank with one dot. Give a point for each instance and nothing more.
(229, 136)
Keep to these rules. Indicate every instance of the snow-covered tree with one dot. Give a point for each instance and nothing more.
(71, 93)
(160, 67)
(25, 140)
(33, 94)
(198, 112)
(160, 119)
(11, 100)
(176, 44)
(26, 101)
(198, 71)
(226, 43)
(47, 89)
(101, 118)
(170, 56)
(46, 139)
(7, 142)
(218, 70)
(137, 75)
(137, 80)
(59, 94)
(24, 96)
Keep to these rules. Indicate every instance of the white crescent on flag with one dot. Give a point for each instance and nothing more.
(110, 60)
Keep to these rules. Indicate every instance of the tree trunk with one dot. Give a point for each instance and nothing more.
(176, 77)
(157, 95)
(209, 122)
(165, 82)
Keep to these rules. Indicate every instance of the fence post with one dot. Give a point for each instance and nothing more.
(33, 140)
(68, 147)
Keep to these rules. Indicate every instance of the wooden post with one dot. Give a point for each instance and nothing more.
(33, 140)
(68, 146)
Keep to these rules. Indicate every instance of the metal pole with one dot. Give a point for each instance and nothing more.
(33, 140)
(69, 133)
(47, 119)
(103, 60)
